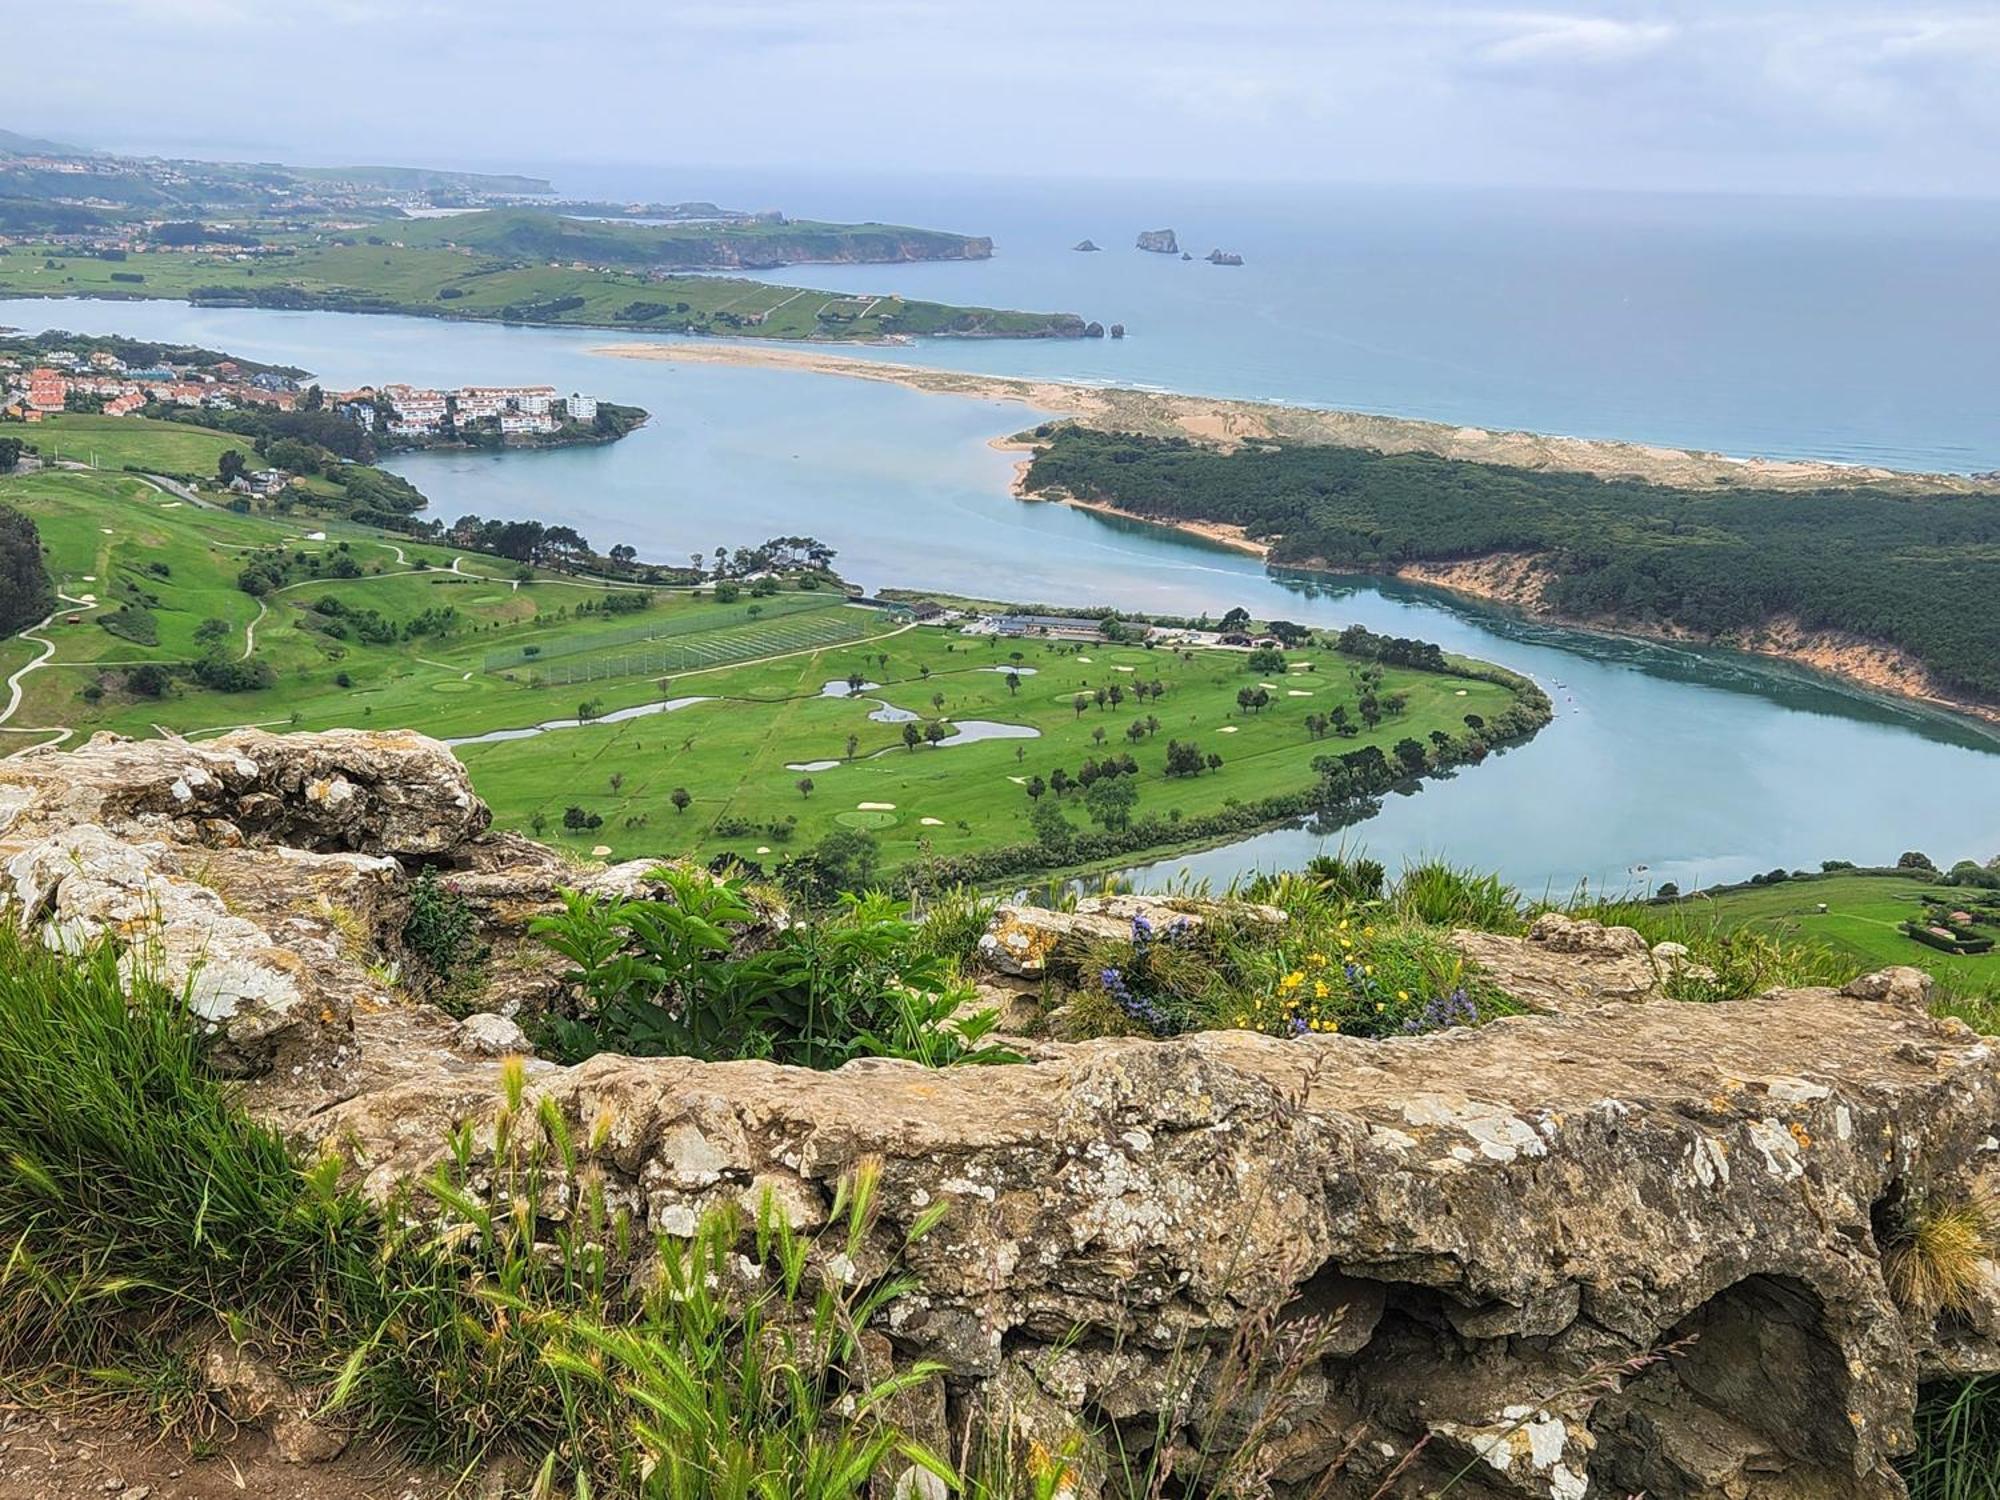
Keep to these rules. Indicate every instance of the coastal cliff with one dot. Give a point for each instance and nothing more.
(1521, 581)
(1616, 1242)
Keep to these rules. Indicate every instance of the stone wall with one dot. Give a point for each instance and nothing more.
(1452, 1250)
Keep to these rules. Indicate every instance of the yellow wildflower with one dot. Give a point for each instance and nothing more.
(1320, 989)
(1402, 994)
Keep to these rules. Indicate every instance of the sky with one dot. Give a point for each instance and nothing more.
(1867, 97)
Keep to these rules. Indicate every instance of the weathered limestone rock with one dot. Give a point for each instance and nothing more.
(1632, 1245)
(255, 1394)
(1565, 964)
(1531, 1202)
(268, 1004)
(375, 793)
(488, 1035)
(1033, 942)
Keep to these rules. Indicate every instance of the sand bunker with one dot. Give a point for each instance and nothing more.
(875, 807)
(1298, 692)
(932, 822)
(1227, 729)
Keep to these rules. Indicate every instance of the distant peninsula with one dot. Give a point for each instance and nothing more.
(1199, 464)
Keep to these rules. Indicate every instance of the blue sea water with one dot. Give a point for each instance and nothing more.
(1858, 332)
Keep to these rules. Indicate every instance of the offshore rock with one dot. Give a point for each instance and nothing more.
(1159, 241)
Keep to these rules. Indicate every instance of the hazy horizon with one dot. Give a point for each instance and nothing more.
(1845, 98)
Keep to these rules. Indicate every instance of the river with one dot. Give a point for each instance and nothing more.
(1699, 766)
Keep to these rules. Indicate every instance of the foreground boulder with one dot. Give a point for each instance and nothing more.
(1624, 1245)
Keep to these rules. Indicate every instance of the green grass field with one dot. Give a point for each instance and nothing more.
(1862, 918)
(140, 442)
(742, 753)
(440, 282)
(520, 655)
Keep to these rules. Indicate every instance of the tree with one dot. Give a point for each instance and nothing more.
(1914, 860)
(617, 782)
(855, 683)
(680, 797)
(1152, 722)
(229, 467)
(1265, 660)
(805, 785)
(1474, 722)
(1013, 683)
(1035, 787)
(314, 399)
(10, 453)
(936, 733)
(1060, 781)
(844, 860)
(1111, 800)
(1668, 890)
(1411, 753)
(1117, 694)
(1097, 735)
(1214, 761)
(937, 702)
(1080, 702)
(853, 745)
(727, 593)
(912, 736)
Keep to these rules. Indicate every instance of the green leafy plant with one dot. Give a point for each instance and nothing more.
(441, 936)
(660, 978)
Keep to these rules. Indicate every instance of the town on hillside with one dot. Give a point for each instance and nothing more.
(34, 387)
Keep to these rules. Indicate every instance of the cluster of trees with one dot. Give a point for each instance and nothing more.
(273, 568)
(26, 595)
(781, 554)
(1396, 650)
(1917, 571)
(333, 617)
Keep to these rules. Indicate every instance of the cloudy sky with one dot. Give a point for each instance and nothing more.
(1817, 96)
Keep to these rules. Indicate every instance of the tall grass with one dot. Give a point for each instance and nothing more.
(493, 1309)
(133, 1198)
(1958, 1441)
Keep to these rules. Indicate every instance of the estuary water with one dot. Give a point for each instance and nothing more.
(1823, 333)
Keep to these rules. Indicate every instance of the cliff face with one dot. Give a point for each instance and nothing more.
(1480, 1238)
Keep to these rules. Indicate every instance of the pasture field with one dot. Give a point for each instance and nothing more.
(133, 442)
(1862, 919)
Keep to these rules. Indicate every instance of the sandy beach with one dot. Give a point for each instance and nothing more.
(1226, 424)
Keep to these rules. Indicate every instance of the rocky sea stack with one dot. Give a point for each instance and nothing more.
(1223, 258)
(1159, 241)
(1619, 1243)
(1085, 245)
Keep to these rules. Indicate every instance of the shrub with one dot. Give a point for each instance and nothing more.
(658, 978)
(441, 935)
